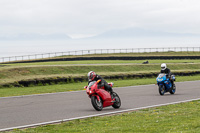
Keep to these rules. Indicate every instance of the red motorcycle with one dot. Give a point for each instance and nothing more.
(101, 98)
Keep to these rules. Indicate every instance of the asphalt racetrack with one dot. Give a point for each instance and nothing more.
(26, 111)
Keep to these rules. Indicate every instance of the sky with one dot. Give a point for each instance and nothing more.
(85, 18)
(41, 26)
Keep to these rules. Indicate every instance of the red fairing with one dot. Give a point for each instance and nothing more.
(105, 96)
(95, 90)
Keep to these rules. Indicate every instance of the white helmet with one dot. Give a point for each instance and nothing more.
(163, 66)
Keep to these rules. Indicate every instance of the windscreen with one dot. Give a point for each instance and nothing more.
(91, 83)
(161, 75)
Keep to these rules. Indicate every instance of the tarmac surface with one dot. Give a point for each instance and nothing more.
(26, 111)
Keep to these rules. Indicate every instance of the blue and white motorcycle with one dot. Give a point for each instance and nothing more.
(165, 85)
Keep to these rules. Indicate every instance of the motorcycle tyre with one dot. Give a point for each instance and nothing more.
(160, 89)
(173, 90)
(116, 105)
(94, 103)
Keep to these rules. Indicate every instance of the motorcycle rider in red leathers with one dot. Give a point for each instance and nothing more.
(92, 76)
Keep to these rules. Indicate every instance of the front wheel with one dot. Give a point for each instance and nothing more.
(98, 105)
(173, 90)
(161, 89)
(117, 102)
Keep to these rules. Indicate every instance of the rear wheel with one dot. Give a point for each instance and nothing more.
(161, 89)
(117, 102)
(98, 105)
(173, 90)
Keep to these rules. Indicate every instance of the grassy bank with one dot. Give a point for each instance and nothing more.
(183, 117)
(9, 74)
(17, 91)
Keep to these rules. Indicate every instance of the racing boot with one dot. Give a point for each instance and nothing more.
(172, 82)
(111, 93)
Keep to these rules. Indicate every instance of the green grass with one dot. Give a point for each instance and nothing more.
(12, 74)
(177, 118)
(17, 91)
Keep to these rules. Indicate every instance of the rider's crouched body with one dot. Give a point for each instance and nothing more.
(92, 76)
(167, 71)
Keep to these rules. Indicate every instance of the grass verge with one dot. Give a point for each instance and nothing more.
(17, 91)
(183, 117)
(10, 74)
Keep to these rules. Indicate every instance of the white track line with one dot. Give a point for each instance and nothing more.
(81, 91)
(102, 114)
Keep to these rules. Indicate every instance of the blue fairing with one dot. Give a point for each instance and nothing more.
(163, 80)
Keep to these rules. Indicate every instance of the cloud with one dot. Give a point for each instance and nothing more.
(89, 17)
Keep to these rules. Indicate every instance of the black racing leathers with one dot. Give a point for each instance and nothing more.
(103, 83)
(166, 71)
